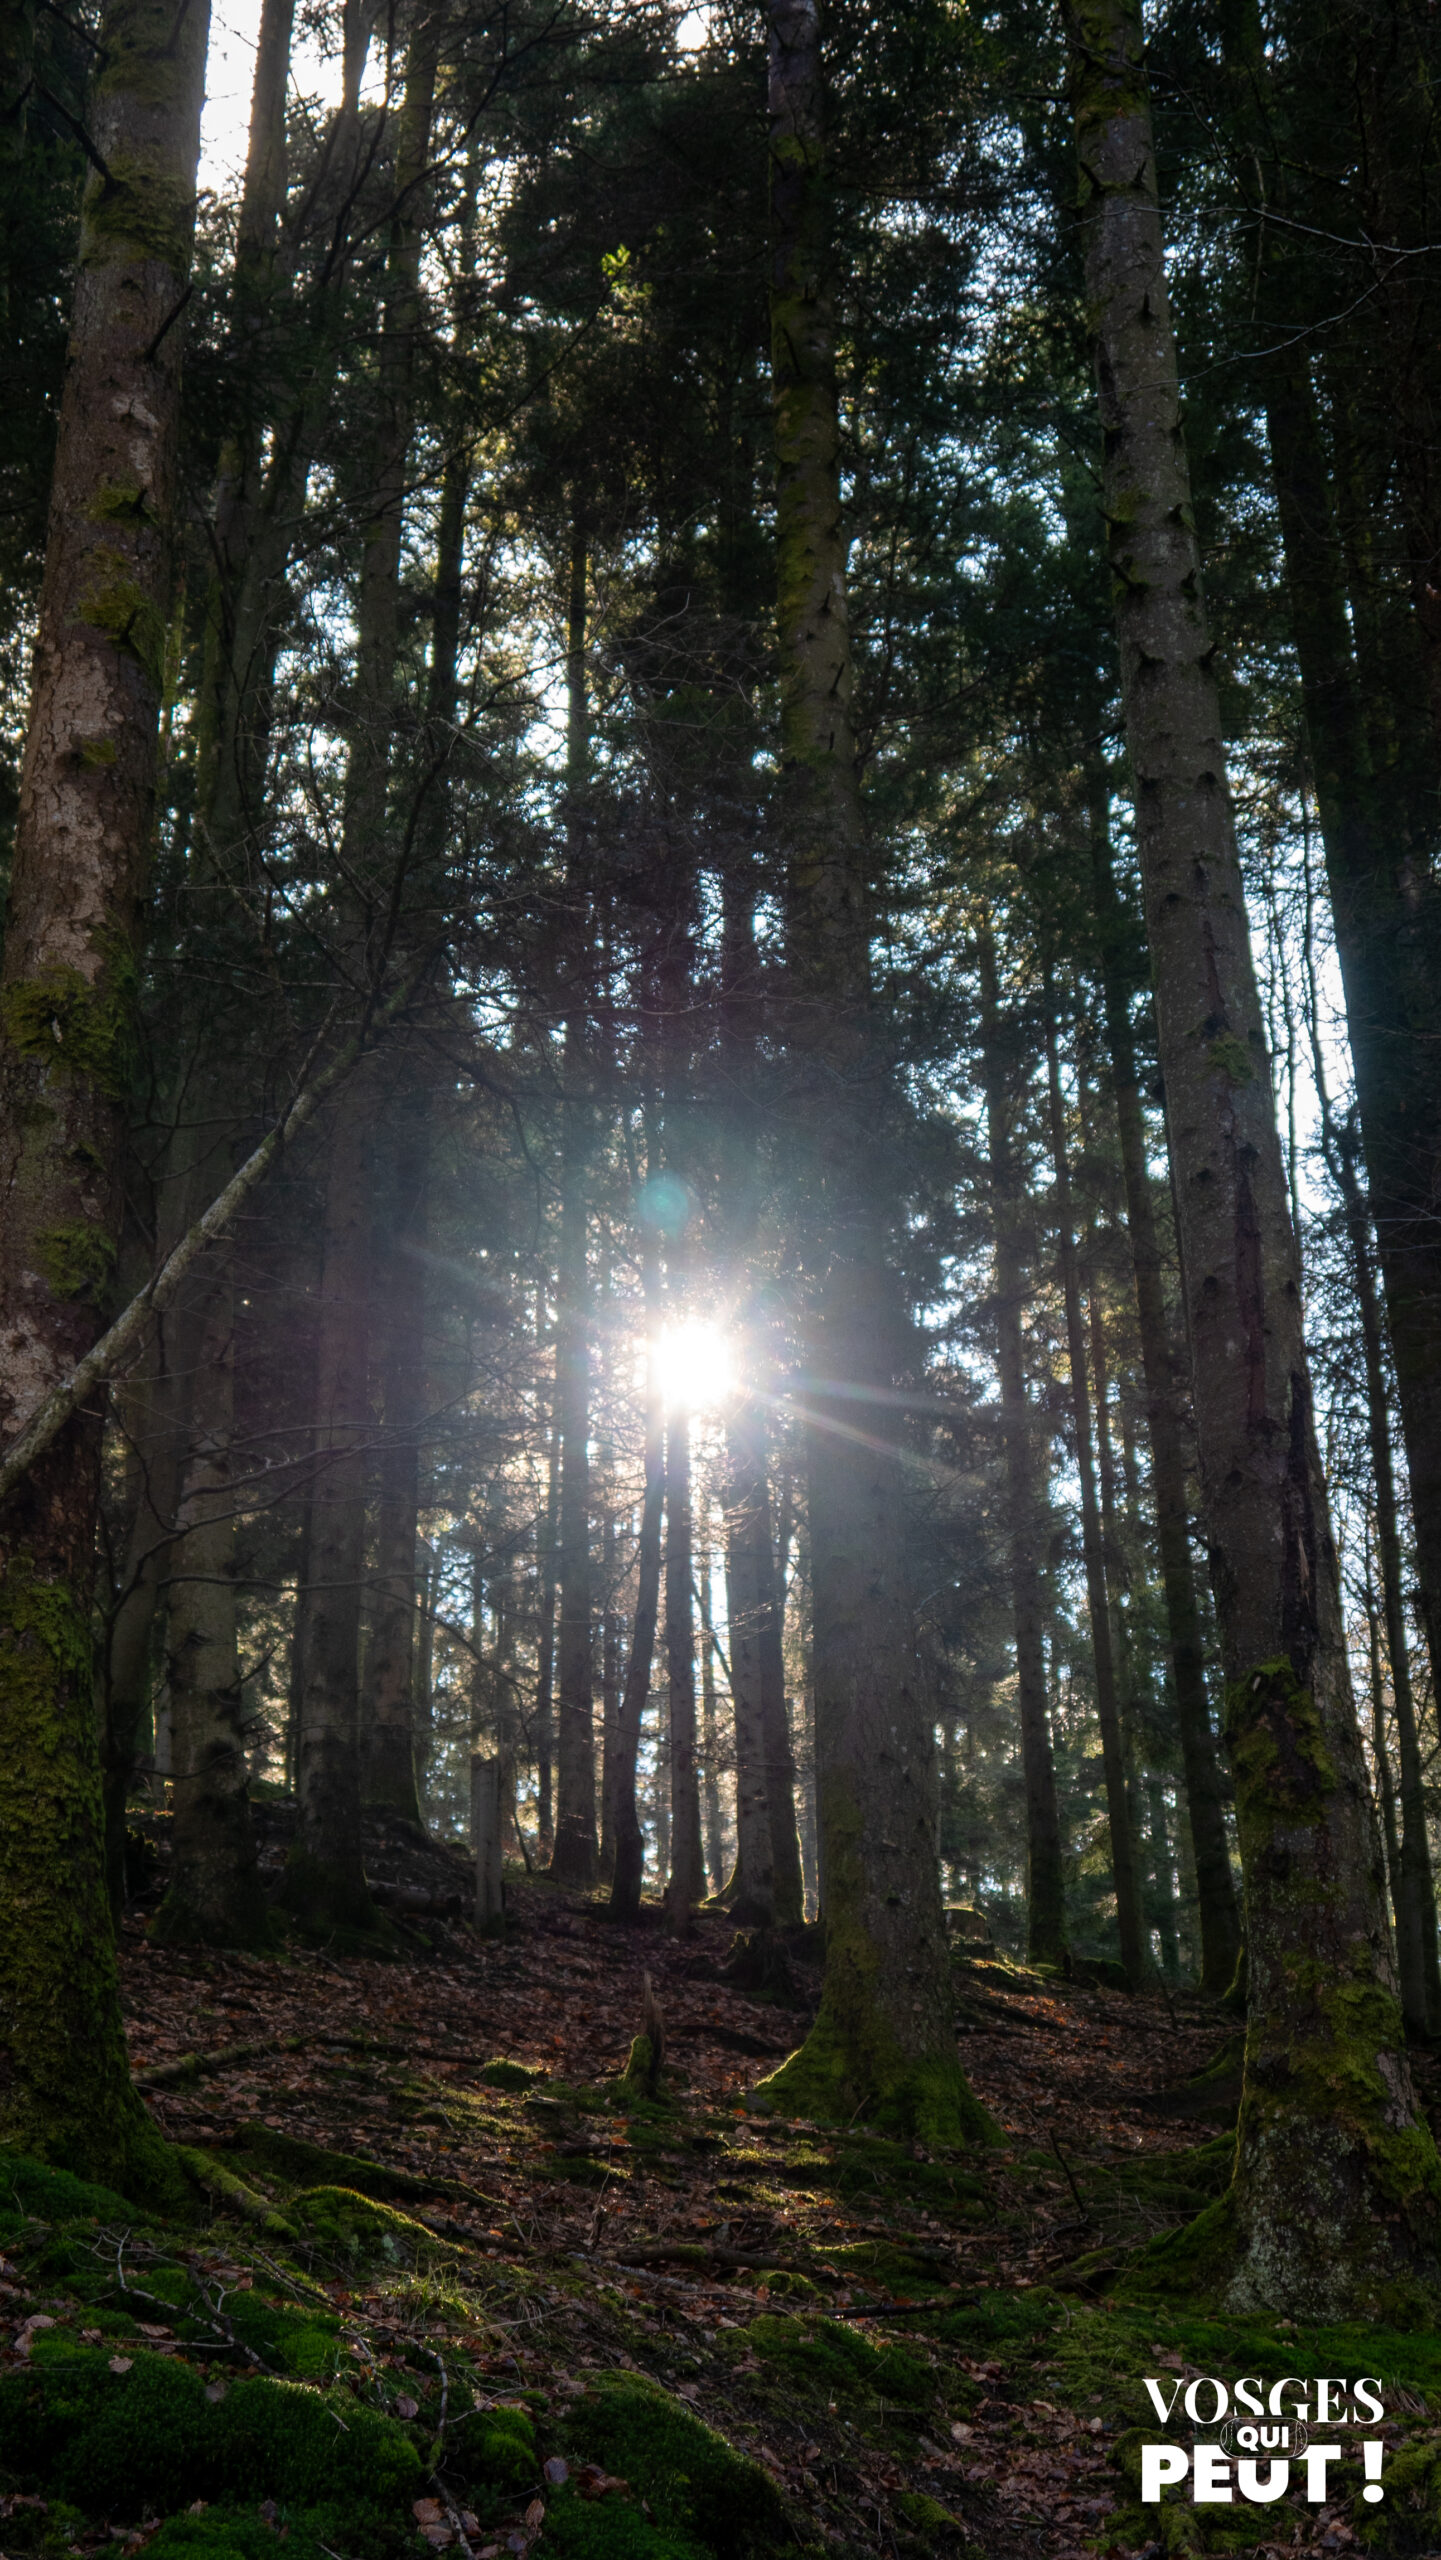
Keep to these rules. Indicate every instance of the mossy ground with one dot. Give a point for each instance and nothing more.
(509, 2287)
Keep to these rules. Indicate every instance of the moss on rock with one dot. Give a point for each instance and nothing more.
(699, 2490)
(357, 2231)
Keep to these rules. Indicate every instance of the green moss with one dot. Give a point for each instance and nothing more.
(696, 2486)
(86, 1026)
(827, 2359)
(353, 2230)
(310, 2164)
(67, 2094)
(495, 2450)
(926, 2515)
(78, 1260)
(502, 2074)
(116, 603)
(137, 211)
(117, 502)
(1232, 1059)
(33, 2190)
(150, 2437)
(97, 752)
(851, 2064)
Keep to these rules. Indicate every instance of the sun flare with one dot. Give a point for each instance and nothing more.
(696, 1365)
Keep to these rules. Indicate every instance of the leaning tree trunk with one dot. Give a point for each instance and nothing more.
(1045, 1870)
(1219, 1917)
(83, 837)
(1129, 1921)
(1337, 2189)
(884, 2043)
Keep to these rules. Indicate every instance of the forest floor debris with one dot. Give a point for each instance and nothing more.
(528, 2309)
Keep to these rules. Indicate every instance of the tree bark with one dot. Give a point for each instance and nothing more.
(1108, 1709)
(214, 1896)
(1045, 1872)
(324, 1883)
(685, 1885)
(751, 1892)
(1217, 1911)
(1332, 2202)
(83, 835)
(573, 1860)
(388, 1738)
(884, 2041)
(545, 1648)
(625, 1820)
(710, 1728)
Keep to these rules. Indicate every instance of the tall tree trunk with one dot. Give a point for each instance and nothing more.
(1383, 1763)
(83, 836)
(324, 1883)
(573, 1860)
(710, 1729)
(624, 1819)
(325, 1879)
(1387, 917)
(1108, 1707)
(884, 2041)
(214, 1895)
(388, 1739)
(125, 1665)
(1331, 2202)
(685, 1885)
(1218, 1915)
(1045, 1874)
(545, 1648)
(752, 1890)
(610, 1678)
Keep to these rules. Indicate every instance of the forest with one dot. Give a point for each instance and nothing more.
(720, 1274)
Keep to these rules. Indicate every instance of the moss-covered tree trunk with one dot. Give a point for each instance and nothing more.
(1119, 1813)
(1334, 2205)
(1045, 1871)
(884, 2041)
(1218, 1910)
(83, 835)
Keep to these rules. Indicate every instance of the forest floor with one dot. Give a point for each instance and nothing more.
(528, 2308)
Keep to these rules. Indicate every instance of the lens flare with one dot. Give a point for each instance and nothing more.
(696, 1366)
